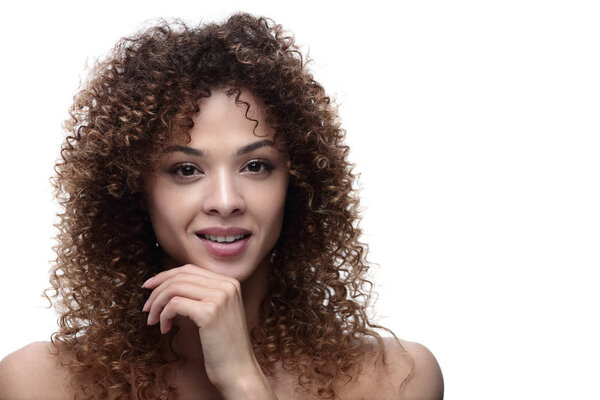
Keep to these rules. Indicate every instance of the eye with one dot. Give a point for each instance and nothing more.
(258, 167)
(185, 170)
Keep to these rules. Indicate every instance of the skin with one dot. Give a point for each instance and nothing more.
(188, 192)
(214, 300)
(36, 363)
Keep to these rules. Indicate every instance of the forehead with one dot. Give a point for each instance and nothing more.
(226, 103)
(228, 123)
(227, 119)
(223, 115)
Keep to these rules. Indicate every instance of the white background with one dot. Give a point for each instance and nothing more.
(474, 124)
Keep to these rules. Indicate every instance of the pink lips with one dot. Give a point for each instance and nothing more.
(224, 249)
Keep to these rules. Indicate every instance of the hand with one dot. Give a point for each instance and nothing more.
(214, 303)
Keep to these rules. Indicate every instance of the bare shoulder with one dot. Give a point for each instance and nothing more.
(34, 372)
(425, 381)
(403, 371)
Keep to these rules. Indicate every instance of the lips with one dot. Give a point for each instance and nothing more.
(224, 249)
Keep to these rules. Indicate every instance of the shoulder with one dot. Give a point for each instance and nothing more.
(425, 381)
(402, 371)
(34, 372)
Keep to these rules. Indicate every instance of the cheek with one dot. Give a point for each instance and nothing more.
(167, 210)
(266, 204)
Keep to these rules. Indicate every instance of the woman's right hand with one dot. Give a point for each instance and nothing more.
(214, 303)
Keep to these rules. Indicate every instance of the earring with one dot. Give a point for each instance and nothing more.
(273, 255)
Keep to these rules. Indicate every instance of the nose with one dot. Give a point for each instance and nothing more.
(223, 196)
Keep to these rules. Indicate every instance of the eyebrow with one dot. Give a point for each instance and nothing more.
(239, 152)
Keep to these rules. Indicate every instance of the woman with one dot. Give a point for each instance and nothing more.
(208, 246)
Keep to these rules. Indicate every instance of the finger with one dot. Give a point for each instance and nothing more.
(196, 279)
(192, 309)
(181, 289)
(188, 268)
(164, 275)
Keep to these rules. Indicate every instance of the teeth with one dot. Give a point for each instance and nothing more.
(223, 239)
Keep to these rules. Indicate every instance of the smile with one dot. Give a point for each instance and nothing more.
(223, 239)
(225, 246)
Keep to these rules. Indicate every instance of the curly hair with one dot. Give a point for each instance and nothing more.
(137, 100)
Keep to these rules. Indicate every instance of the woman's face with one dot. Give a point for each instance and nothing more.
(217, 202)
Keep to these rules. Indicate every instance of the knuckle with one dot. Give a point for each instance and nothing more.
(189, 268)
(221, 295)
(211, 310)
(233, 287)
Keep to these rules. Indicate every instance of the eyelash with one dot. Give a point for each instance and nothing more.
(177, 169)
(268, 167)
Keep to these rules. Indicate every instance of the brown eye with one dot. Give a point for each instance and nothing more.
(254, 166)
(257, 167)
(185, 170)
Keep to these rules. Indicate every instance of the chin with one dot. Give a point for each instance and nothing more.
(238, 269)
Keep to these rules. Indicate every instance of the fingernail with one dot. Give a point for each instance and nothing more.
(145, 285)
(145, 308)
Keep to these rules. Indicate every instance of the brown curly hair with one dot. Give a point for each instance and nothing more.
(135, 102)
